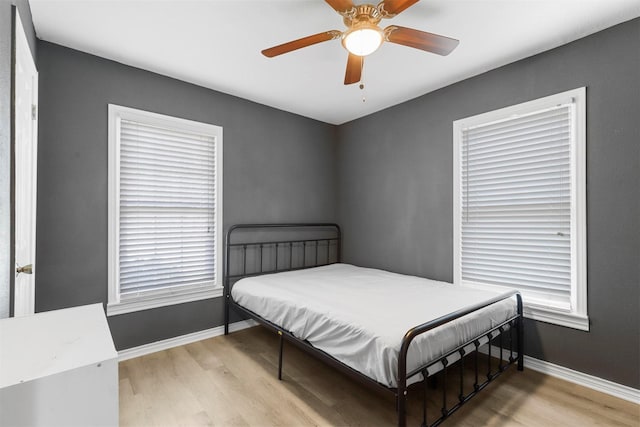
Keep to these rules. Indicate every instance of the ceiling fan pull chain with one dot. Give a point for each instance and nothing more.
(364, 94)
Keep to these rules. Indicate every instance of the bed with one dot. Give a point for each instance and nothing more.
(289, 278)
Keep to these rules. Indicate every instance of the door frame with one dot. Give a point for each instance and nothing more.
(12, 161)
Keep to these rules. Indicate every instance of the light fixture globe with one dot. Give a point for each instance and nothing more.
(362, 39)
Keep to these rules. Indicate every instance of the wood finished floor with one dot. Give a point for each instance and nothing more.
(232, 381)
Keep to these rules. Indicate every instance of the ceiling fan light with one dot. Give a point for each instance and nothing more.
(363, 41)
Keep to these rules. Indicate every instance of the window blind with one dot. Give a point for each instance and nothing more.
(167, 209)
(516, 203)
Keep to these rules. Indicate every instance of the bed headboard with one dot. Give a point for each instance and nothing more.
(253, 249)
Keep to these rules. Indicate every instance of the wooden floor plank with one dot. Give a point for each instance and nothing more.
(232, 381)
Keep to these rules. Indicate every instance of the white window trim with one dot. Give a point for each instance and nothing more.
(117, 305)
(574, 316)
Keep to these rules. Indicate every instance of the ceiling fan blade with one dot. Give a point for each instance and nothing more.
(394, 7)
(354, 69)
(420, 40)
(300, 43)
(340, 5)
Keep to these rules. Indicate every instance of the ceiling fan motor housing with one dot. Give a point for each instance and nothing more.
(362, 13)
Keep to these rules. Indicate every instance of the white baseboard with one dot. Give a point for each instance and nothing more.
(142, 350)
(595, 383)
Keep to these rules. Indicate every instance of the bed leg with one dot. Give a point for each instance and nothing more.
(280, 356)
(520, 345)
(402, 407)
(520, 334)
(226, 314)
(425, 386)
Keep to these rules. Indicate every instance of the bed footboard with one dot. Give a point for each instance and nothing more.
(512, 325)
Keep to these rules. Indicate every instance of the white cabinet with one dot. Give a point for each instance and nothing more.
(58, 368)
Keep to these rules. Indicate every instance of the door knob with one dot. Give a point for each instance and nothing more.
(27, 269)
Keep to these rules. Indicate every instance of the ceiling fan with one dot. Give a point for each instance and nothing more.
(363, 35)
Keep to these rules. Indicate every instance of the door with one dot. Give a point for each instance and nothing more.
(25, 160)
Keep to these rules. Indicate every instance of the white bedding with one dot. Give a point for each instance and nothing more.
(360, 315)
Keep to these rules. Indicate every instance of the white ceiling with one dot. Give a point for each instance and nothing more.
(217, 44)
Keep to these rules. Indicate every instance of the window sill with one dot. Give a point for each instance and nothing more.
(536, 309)
(155, 301)
(557, 317)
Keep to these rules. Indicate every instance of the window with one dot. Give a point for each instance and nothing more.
(165, 210)
(519, 205)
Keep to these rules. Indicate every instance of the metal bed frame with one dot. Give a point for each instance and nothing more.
(321, 250)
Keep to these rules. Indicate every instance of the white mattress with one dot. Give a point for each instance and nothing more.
(360, 315)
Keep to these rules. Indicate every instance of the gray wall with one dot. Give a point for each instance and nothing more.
(277, 167)
(396, 198)
(6, 238)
